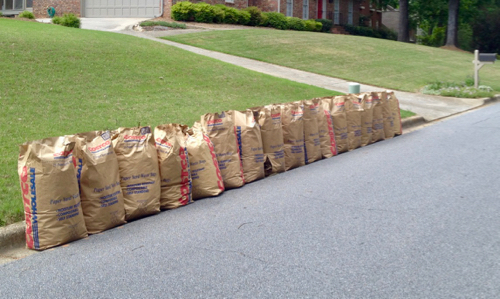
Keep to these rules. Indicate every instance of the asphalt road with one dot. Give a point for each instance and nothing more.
(417, 216)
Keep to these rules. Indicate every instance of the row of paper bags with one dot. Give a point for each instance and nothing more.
(86, 183)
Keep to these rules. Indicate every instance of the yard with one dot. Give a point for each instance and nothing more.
(379, 62)
(58, 80)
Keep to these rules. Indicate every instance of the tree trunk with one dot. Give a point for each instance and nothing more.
(403, 22)
(452, 30)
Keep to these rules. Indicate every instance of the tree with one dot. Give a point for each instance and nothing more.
(403, 32)
(486, 27)
(452, 30)
(428, 14)
(382, 4)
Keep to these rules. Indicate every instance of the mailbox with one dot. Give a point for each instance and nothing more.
(487, 57)
(480, 59)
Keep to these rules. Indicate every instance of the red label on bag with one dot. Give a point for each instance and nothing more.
(30, 207)
(214, 160)
(239, 155)
(331, 133)
(185, 184)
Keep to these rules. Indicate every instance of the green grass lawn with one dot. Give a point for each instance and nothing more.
(378, 62)
(405, 114)
(57, 80)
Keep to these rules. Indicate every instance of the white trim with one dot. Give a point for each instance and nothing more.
(323, 10)
(305, 9)
(162, 8)
(336, 12)
(15, 11)
(350, 12)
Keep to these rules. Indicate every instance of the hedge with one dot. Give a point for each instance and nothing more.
(205, 13)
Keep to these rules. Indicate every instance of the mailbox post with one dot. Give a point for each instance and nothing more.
(479, 61)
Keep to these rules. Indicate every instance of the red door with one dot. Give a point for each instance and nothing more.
(320, 9)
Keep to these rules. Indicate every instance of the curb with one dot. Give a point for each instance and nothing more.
(493, 99)
(412, 121)
(12, 236)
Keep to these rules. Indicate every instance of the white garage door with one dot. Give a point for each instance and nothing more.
(122, 8)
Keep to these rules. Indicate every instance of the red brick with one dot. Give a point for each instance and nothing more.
(61, 6)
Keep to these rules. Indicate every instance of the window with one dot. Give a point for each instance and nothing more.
(336, 12)
(18, 5)
(289, 8)
(349, 13)
(305, 10)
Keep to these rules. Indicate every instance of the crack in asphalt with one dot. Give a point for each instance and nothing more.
(266, 263)
(356, 207)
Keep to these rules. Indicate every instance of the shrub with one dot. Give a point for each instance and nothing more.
(164, 24)
(70, 20)
(319, 26)
(219, 15)
(264, 20)
(469, 81)
(276, 20)
(27, 14)
(243, 17)
(231, 14)
(434, 39)
(465, 37)
(367, 31)
(203, 13)
(295, 24)
(183, 11)
(388, 34)
(1, 14)
(57, 20)
(461, 90)
(255, 15)
(326, 24)
(312, 25)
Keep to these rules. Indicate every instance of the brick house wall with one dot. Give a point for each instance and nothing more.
(282, 6)
(313, 9)
(298, 8)
(74, 6)
(239, 4)
(61, 7)
(265, 5)
(374, 16)
(167, 8)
